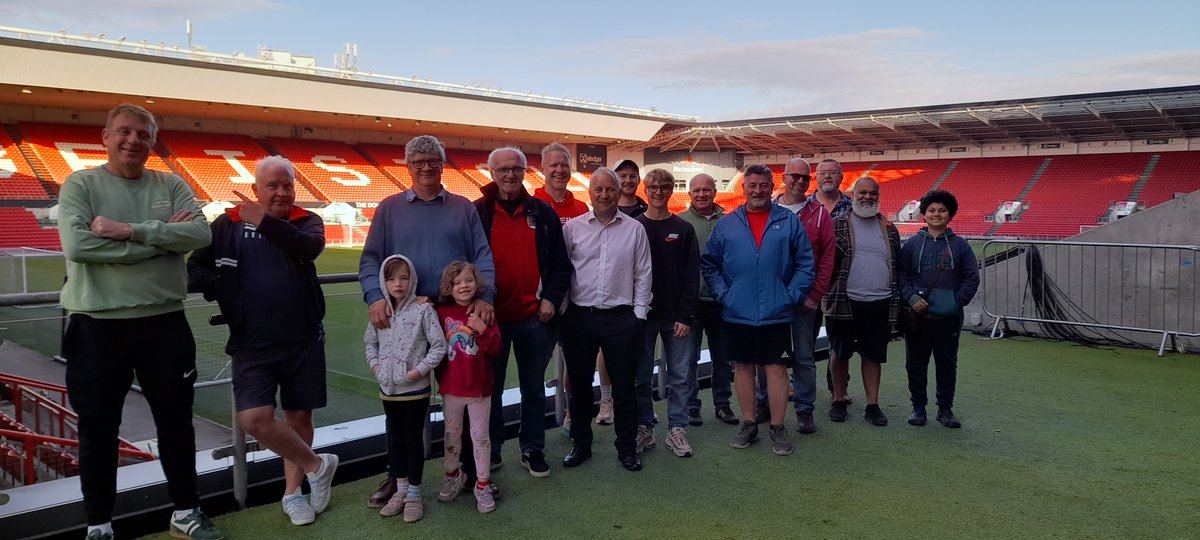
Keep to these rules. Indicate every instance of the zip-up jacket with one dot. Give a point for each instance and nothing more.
(214, 270)
(553, 265)
(413, 341)
(758, 285)
(819, 227)
(942, 270)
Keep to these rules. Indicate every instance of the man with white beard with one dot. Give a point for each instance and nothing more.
(861, 306)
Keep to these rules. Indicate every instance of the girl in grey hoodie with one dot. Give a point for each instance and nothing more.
(402, 356)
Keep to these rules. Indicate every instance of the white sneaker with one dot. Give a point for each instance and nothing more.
(677, 442)
(322, 486)
(605, 416)
(645, 439)
(298, 510)
(452, 486)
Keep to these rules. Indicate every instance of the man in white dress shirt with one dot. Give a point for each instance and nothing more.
(610, 296)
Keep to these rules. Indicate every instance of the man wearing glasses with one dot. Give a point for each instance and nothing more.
(829, 194)
(433, 228)
(532, 278)
(675, 263)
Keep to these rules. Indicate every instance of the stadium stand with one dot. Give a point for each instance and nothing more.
(1075, 190)
(67, 148)
(206, 158)
(462, 174)
(17, 179)
(343, 175)
(19, 228)
(904, 181)
(981, 184)
(1175, 172)
(388, 158)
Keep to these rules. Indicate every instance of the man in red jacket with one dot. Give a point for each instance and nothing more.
(819, 227)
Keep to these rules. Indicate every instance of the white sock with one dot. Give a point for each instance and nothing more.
(320, 468)
(298, 491)
(606, 392)
(104, 528)
(179, 514)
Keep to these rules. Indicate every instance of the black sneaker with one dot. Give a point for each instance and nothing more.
(535, 462)
(497, 462)
(946, 417)
(631, 462)
(917, 418)
(837, 412)
(748, 434)
(693, 416)
(804, 422)
(875, 415)
(725, 414)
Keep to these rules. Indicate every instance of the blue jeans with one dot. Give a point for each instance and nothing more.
(677, 359)
(708, 321)
(804, 369)
(533, 341)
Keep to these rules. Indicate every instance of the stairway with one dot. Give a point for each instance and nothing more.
(370, 159)
(1140, 185)
(39, 168)
(1024, 192)
(945, 174)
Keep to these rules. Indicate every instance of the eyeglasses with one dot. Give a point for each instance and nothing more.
(426, 164)
(515, 171)
(659, 189)
(828, 173)
(797, 176)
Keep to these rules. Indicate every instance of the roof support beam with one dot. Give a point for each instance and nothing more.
(1167, 118)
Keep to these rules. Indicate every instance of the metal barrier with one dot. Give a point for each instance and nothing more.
(1092, 292)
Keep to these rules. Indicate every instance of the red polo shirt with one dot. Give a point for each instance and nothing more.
(514, 249)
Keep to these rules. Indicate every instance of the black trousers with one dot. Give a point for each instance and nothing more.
(102, 357)
(406, 438)
(618, 333)
(938, 337)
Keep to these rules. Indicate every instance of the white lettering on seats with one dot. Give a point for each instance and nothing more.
(76, 163)
(231, 157)
(7, 166)
(320, 160)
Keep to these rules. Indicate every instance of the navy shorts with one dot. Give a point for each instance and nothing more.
(867, 333)
(758, 345)
(295, 370)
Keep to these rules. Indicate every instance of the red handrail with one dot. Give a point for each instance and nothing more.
(37, 440)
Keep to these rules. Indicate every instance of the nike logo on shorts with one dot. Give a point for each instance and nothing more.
(189, 373)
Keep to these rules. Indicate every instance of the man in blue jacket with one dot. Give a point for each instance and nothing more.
(759, 266)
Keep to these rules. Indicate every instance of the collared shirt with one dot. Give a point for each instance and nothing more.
(843, 205)
(612, 263)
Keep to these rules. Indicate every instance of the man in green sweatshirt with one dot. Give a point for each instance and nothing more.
(125, 231)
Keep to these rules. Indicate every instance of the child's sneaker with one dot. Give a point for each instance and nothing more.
(483, 496)
(414, 509)
(395, 505)
(605, 416)
(452, 486)
(195, 526)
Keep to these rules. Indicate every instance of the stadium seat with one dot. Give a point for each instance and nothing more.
(213, 161)
(1175, 172)
(1075, 190)
(20, 228)
(336, 171)
(17, 179)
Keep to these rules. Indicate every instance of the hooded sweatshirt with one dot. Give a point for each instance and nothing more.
(413, 341)
(942, 270)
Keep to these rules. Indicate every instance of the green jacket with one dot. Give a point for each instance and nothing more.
(704, 226)
(126, 279)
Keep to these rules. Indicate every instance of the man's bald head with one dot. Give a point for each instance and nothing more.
(702, 191)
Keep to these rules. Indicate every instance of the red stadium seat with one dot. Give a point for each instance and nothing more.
(1175, 172)
(68, 148)
(19, 228)
(1076, 190)
(221, 163)
(336, 171)
(17, 179)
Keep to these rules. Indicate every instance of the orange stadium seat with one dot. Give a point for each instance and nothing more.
(221, 163)
(17, 179)
(906, 180)
(19, 228)
(390, 158)
(68, 148)
(1175, 172)
(1076, 190)
(336, 170)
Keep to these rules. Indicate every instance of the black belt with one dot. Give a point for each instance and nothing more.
(598, 310)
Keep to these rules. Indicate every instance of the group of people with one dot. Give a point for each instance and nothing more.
(453, 286)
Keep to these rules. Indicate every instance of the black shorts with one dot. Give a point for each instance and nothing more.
(867, 333)
(296, 370)
(758, 345)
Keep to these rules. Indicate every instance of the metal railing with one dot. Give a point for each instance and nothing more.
(1093, 292)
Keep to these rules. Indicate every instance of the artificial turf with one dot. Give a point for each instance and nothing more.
(1059, 441)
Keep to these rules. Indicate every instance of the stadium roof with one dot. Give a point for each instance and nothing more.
(1108, 116)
